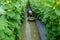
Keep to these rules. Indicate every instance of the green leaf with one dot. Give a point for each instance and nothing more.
(8, 31)
(11, 14)
(2, 35)
(57, 11)
(3, 24)
(2, 11)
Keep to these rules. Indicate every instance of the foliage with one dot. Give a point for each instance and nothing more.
(11, 14)
(48, 11)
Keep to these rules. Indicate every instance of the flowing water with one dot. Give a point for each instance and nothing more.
(30, 31)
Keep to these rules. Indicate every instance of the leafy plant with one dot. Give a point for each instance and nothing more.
(48, 12)
(11, 14)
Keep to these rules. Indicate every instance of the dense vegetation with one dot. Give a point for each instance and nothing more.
(48, 11)
(11, 15)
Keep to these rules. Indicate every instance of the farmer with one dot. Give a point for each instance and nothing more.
(29, 11)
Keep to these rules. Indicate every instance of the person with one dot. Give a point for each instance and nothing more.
(30, 12)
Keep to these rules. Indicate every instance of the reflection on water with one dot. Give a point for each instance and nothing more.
(29, 31)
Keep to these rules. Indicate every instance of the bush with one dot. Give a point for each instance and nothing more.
(48, 12)
(10, 19)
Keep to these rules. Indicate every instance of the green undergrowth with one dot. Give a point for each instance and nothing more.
(12, 14)
(48, 11)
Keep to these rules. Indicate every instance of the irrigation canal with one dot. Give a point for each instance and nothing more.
(31, 31)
